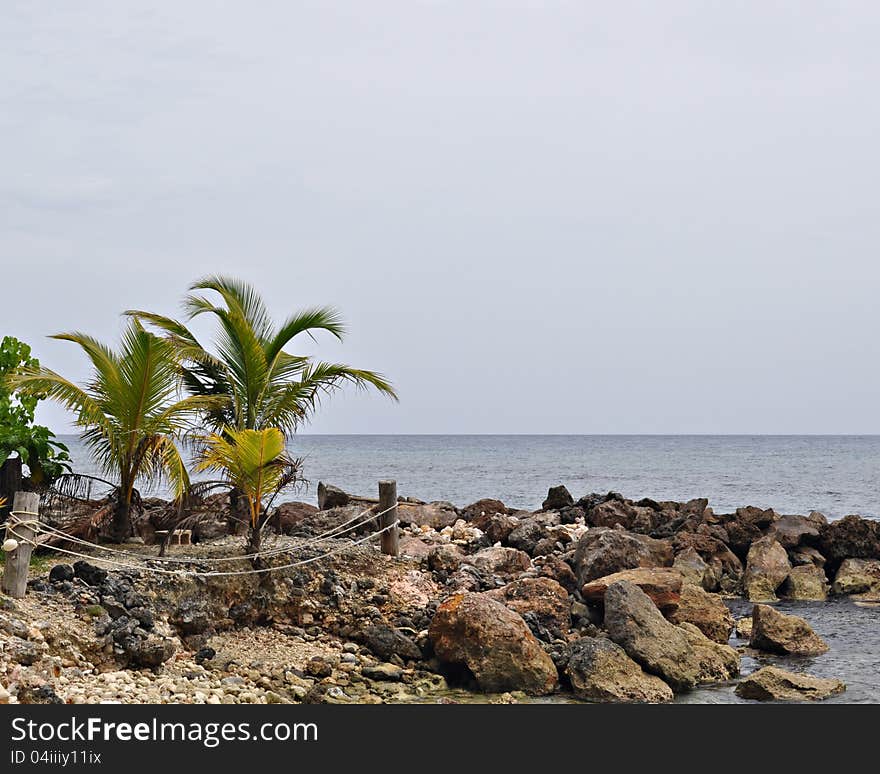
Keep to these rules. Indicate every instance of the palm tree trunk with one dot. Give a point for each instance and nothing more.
(121, 529)
(239, 513)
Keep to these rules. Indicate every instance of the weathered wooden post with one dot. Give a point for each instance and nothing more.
(25, 509)
(388, 504)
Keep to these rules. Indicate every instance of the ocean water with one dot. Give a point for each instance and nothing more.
(836, 475)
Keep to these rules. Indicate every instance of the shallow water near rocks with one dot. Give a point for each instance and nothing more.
(853, 634)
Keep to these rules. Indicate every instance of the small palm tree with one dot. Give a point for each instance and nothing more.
(255, 462)
(254, 381)
(260, 383)
(130, 410)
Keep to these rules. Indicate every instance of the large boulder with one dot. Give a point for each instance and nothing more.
(789, 635)
(663, 585)
(793, 531)
(851, 537)
(859, 577)
(705, 611)
(767, 567)
(330, 496)
(493, 642)
(774, 684)
(436, 515)
(633, 621)
(542, 597)
(558, 497)
(717, 662)
(806, 582)
(499, 560)
(600, 670)
(603, 551)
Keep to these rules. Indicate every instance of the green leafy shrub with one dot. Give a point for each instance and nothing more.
(45, 457)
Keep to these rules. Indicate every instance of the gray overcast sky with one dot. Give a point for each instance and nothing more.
(537, 217)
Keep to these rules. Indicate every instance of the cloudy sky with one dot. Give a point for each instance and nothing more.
(537, 217)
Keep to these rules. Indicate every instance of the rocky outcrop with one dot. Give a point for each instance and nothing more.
(774, 684)
(543, 598)
(851, 537)
(662, 585)
(603, 551)
(859, 577)
(600, 670)
(789, 635)
(633, 621)
(558, 497)
(767, 567)
(493, 642)
(705, 611)
(806, 582)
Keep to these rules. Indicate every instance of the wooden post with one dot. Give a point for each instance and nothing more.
(25, 506)
(388, 500)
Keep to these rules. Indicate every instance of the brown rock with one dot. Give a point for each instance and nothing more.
(493, 642)
(482, 510)
(603, 551)
(705, 611)
(694, 569)
(289, 516)
(786, 634)
(499, 560)
(767, 567)
(663, 585)
(436, 515)
(793, 531)
(633, 621)
(774, 684)
(851, 537)
(541, 596)
(556, 568)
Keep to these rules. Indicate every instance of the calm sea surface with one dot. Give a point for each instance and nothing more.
(837, 475)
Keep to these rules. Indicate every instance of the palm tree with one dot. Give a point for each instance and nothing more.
(255, 382)
(256, 463)
(130, 411)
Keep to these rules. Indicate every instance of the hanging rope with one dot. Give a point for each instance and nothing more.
(229, 573)
(336, 532)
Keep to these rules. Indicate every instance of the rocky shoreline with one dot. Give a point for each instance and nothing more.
(600, 599)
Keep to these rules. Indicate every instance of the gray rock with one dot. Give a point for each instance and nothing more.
(633, 621)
